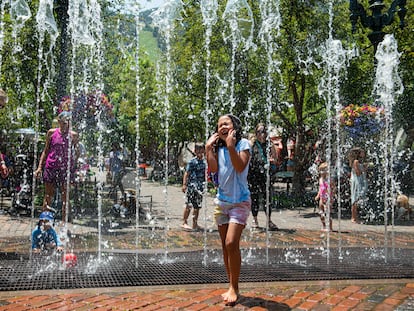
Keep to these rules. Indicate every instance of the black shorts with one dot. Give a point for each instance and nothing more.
(194, 198)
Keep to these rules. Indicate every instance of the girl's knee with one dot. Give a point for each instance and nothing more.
(232, 245)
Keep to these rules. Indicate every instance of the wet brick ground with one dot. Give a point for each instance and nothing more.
(380, 294)
(350, 295)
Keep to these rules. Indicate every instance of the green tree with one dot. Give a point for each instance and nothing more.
(295, 97)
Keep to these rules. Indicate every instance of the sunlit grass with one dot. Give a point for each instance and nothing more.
(148, 45)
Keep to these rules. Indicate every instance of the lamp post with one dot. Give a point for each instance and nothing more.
(377, 21)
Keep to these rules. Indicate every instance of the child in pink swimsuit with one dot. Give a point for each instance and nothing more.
(324, 196)
(55, 158)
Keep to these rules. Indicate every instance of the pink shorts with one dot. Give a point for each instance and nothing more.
(225, 212)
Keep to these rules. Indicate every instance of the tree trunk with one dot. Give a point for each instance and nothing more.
(298, 180)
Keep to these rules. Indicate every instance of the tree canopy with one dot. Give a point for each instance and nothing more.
(267, 69)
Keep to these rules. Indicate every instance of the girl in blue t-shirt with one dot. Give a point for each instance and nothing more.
(228, 154)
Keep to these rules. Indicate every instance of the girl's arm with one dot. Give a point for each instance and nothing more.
(273, 153)
(356, 168)
(75, 144)
(319, 191)
(185, 181)
(211, 156)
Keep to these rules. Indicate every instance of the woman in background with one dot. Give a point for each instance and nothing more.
(359, 184)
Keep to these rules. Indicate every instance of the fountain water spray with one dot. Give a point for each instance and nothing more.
(19, 13)
(164, 18)
(209, 11)
(388, 86)
(2, 6)
(334, 61)
(137, 128)
(86, 33)
(45, 25)
(238, 14)
(268, 33)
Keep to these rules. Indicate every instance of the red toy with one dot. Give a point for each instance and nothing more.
(70, 260)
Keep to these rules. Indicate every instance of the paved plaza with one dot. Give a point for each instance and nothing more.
(299, 227)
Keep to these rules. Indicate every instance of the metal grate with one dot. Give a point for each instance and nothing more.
(125, 269)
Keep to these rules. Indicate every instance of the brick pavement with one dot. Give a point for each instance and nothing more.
(318, 296)
(298, 228)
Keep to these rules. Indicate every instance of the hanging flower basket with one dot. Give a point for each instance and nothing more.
(362, 121)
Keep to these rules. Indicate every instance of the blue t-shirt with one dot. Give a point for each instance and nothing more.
(196, 169)
(41, 238)
(233, 186)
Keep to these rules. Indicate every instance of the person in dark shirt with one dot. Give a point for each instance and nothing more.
(193, 186)
(258, 174)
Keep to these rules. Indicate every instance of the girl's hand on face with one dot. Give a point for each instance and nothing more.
(231, 138)
(211, 142)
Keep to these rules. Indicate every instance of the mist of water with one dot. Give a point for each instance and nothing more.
(239, 15)
(268, 33)
(86, 34)
(2, 7)
(19, 13)
(334, 61)
(164, 18)
(209, 11)
(387, 87)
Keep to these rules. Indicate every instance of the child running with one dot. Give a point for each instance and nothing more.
(229, 154)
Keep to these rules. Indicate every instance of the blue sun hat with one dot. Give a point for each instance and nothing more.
(46, 216)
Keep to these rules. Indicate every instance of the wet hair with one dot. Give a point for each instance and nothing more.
(198, 146)
(354, 154)
(258, 126)
(253, 137)
(323, 167)
(236, 126)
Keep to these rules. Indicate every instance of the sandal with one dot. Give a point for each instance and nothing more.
(255, 225)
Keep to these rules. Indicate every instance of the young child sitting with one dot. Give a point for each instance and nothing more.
(44, 237)
(324, 195)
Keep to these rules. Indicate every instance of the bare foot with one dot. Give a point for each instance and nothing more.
(186, 227)
(230, 297)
